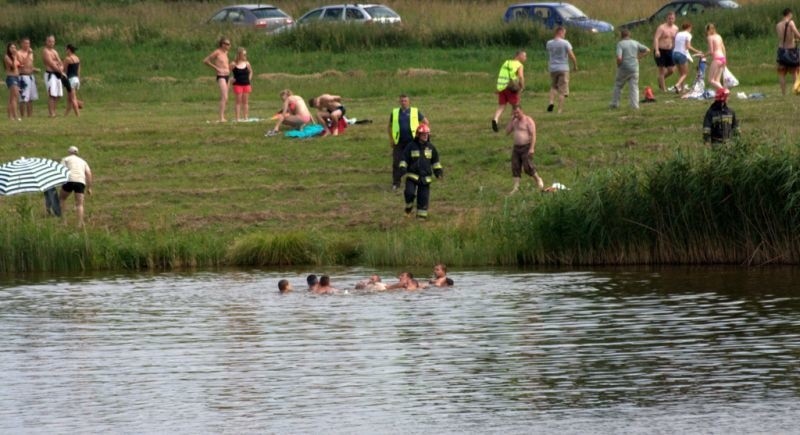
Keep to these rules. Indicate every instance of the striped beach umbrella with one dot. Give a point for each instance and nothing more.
(31, 175)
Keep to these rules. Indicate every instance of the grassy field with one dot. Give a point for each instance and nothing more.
(173, 189)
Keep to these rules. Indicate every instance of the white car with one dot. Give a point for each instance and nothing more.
(351, 13)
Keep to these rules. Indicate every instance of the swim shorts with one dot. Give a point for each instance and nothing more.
(507, 97)
(75, 82)
(226, 78)
(72, 186)
(665, 60)
(27, 88)
(522, 161)
(53, 83)
(559, 80)
(242, 89)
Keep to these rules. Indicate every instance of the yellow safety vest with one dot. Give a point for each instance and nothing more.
(413, 123)
(507, 73)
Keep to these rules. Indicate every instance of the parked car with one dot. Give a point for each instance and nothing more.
(555, 14)
(351, 13)
(261, 17)
(682, 8)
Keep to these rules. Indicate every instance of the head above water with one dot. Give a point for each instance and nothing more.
(284, 286)
(312, 280)
(325, 281)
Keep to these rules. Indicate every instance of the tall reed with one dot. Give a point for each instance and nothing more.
(735, 205)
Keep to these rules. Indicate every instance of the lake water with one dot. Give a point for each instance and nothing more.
(673, 350)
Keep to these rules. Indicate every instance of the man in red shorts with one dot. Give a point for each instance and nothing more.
(510, 83)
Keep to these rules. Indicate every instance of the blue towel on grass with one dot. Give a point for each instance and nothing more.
(307, 131)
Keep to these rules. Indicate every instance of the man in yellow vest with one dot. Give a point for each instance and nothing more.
(403, 123)
(510, 83)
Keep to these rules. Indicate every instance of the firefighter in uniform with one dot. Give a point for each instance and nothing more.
(720, 122)
(420, 163)
(403, 122)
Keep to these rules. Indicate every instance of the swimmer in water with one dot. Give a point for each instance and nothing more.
(440, 278)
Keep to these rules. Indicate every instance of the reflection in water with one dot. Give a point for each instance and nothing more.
(698, 350)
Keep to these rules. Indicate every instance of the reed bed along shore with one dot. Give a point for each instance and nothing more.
(175, 190)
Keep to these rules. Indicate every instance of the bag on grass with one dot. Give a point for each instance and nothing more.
(728, 79)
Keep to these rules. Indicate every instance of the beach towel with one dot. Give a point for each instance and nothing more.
(307, 131)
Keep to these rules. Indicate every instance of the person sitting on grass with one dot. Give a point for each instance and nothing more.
(294, 112)
(330, 111)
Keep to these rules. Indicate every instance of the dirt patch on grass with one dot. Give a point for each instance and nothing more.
(420, 72)
(324, 74)
(166, 79)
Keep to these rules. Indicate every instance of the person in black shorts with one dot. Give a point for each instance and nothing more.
(663, 44)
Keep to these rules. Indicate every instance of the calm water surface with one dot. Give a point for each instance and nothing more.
(643, 351)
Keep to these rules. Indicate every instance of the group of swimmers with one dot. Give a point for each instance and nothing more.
(405, 281)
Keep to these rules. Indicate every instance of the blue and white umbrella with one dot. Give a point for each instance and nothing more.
(31, 175)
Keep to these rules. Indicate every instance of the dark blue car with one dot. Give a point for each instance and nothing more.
(554, 14)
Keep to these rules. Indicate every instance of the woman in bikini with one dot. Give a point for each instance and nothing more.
(12, 80)
(294, 112)
(72, 64)
(717, 53)
(242, 76)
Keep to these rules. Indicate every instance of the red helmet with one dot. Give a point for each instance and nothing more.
(423, 128)
(722, 94)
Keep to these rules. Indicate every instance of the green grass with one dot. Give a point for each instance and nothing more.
(173, 190)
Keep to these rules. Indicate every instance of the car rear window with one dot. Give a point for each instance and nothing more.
(377, 12)
(268, 13)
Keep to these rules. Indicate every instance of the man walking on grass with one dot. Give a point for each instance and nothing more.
(524, 130)
(79, 181)
(403, 124)
(560, 54)
(663, 44)
(510, 83)
(628, 54)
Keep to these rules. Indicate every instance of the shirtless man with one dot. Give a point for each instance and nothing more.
(440, 278)
(330, 110)
(324, 286)
(524, 130)
(27, 92)
(218, 61)
(405, 281)
(53, 72)
(663, 44)
(373, 283)
(787, 39)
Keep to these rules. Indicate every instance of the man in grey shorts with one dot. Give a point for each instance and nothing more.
(560, 53)
(524, 130)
